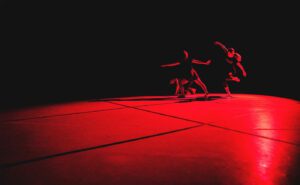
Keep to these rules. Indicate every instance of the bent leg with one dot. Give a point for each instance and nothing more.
(199, 82)
(181, 88)
(177, 86)
(232, 78)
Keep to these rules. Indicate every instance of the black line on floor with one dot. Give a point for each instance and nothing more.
(247, 133)
(92, 111)
(13, 164)
(58, 115)
(74, 113)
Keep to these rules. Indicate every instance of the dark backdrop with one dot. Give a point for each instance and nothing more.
(70, 50)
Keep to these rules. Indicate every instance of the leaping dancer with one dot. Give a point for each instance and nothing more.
(234, 60)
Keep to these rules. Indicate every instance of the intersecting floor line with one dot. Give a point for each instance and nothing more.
(42, 158)
(158, 113)
(212, 125)
(13, 164)
(74, 113)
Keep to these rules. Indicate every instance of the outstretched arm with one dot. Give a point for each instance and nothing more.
(242, 69)
(194, 61)
(221, 46)
(170, 65)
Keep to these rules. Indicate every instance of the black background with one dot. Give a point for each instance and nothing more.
(70, 50)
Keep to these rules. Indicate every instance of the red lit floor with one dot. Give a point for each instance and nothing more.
(247, 139)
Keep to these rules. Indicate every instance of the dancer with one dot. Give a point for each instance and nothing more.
(233, 59)
(188, 74)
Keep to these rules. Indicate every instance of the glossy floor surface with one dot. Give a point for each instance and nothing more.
(247, 139)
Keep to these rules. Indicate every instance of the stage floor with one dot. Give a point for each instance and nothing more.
(247, 139)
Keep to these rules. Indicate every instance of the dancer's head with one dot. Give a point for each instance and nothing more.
(230, 52)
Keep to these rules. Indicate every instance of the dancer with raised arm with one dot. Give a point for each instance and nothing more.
(188, 74)
(234, 61)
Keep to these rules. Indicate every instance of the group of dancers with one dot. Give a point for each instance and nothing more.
(189, 76)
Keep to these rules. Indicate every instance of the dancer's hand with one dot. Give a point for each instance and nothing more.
(208, 62)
